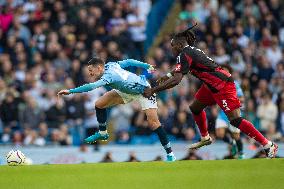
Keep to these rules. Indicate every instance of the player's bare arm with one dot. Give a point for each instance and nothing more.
(164, 78)
(169, 83)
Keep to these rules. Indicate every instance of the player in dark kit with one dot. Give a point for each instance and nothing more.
(218, 87)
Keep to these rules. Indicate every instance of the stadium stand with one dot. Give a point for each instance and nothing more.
(44, 46)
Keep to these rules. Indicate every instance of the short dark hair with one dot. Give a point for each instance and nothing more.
(96, 61)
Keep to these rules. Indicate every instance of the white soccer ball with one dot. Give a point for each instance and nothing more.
(15, 158)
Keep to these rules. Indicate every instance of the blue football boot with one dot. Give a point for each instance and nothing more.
(97, 136)
(171, 158)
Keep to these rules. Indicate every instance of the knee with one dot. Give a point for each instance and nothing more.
(99, 105)
(236, 122)
(236, 136)
(194, 110)
(153, 123)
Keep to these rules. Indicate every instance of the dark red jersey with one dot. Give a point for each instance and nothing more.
(195, 61)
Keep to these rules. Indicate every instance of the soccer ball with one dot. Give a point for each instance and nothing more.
(15, 158)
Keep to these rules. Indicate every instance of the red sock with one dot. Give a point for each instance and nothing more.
(201, 122)
(248, 128)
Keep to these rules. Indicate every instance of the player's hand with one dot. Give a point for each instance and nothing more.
(63, 92)
(162, 79)
(148, 92)
(151, 69)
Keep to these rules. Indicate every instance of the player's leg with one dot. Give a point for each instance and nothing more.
(228, 101)
(221, 126)
(155, 125)
(109, 99)
(150, 107)
(202, 99)
(237, 141)
(247, 127)
(220, 130)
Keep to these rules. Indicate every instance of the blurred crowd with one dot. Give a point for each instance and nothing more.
(44, 47)
(248, 35)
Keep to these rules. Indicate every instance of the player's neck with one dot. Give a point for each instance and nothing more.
(100, 76)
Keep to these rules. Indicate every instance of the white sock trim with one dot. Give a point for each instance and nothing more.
(171, 154)
(206, 137)
(268, 145)
(103, 132)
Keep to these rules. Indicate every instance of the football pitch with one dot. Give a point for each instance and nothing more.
(228, 174)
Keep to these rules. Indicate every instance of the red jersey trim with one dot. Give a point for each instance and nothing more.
(189, 59)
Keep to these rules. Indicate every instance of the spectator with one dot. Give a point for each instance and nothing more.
(122, 137)
(180, 124)
(267, 113)
(64, 136)
(273, 53)
(237, 62)
(107, 158)
(6, 18)
(252, 30)
(20, 31)
(30, 136)
(166, 118)
(18, 138)
(192, 156)
(6, 136)
(281, 117)
(136, 28)
(121, 115)
(31, 115)
(3, 90)
(132, 157)
(221, 56)
(9, 111)
(56, 114)
(42, 134)
(265, 70)
(250, 113)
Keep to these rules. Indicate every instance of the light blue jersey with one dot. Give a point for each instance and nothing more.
(240, 93)
(118, 78)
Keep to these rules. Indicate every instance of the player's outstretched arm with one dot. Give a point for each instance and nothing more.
(169, 83)
(164, 78)
(84, 88)
(131, 62)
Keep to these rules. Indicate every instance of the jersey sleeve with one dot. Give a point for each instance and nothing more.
(183, 63)
(132, 62)
(89, 86)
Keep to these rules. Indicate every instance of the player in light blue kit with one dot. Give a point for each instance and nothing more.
(127, 87)
(222, 122)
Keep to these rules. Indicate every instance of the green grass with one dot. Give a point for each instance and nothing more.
(228, 174)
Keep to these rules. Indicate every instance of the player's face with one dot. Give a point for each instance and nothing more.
(175, 48)
(96, 71)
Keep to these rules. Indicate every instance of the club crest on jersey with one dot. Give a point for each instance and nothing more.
(178, 66)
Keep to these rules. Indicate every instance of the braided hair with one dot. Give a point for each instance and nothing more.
(186, 35)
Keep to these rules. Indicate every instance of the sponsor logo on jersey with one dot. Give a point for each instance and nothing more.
(178, 66)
